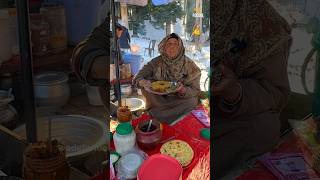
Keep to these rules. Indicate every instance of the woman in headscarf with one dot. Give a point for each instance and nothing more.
(254, 87)
(171, 65)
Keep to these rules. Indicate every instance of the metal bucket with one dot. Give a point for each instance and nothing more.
(51, 89)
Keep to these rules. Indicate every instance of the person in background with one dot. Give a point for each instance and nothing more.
(91, 58)
(125, 40)
(171, 65)
(254, 87)
(196, 34)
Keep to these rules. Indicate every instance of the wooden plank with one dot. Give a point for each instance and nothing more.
(61, 59)
(11, 133)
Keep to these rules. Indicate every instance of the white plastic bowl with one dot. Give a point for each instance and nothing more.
(80, 134)
(134, 104)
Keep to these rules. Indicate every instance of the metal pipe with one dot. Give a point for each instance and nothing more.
(26, 69)
(116, 49)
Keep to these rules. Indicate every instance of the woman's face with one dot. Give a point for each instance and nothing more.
(172, 48)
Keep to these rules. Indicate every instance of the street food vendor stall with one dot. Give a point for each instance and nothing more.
(179, 143)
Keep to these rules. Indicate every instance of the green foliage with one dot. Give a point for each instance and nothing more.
(206, 15)
(136, 20)
(168, 14)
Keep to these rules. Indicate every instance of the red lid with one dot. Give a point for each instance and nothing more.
(160, 167)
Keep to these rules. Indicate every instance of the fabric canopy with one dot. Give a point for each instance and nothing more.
(145, 2)
(134, 2)
(161, 2)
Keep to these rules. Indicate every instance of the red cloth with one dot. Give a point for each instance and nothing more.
(188, 129)
(102, 176)
(291, 145)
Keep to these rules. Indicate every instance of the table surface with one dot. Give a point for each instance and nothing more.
(187, 129)
(291, 143)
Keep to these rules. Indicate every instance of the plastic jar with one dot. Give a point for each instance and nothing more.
(55, 16)
(124, 138)
(40, 31)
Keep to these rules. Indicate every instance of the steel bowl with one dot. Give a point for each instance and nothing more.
(80, 134)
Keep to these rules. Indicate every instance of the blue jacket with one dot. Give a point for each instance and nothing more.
(124, 40)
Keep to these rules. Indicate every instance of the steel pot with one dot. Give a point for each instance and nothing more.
(126, 89)
(51, 89)
(8, 114)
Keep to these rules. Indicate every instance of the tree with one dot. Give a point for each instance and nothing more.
(137, 16)
(163, 16)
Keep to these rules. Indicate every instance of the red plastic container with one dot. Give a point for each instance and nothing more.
(160, 167)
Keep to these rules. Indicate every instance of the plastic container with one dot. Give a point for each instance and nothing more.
(94, 95)
(124, 138)
(56, 18)
(134, 60)
(112, 173)
(82, 18)
(126, 89)
(5, 36)
(40, 34)
(128, 165)
(170, 168)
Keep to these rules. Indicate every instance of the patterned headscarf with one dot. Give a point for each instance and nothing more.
(173, 68)
(254, 21)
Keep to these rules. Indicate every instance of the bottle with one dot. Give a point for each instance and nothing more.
(124, 138)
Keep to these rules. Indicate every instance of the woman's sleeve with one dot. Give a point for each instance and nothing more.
(89, 53)
(193, 87)
(145, 73)
(266, 90)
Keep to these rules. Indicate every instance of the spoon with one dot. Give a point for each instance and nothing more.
(149, 125)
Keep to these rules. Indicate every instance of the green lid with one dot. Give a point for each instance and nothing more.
(205, 133)
(124, 129)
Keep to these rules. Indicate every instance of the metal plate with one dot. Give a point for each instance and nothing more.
(172, 89)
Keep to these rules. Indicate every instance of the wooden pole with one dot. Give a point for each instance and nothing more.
(124, 14)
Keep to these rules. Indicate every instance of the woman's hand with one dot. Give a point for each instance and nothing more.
(229, 87)
(181, 89)
(144, 83)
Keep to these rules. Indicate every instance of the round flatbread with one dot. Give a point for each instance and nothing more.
(160, 86)
(180, 150)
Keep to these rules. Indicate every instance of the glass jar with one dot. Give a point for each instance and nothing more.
(124, 138)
